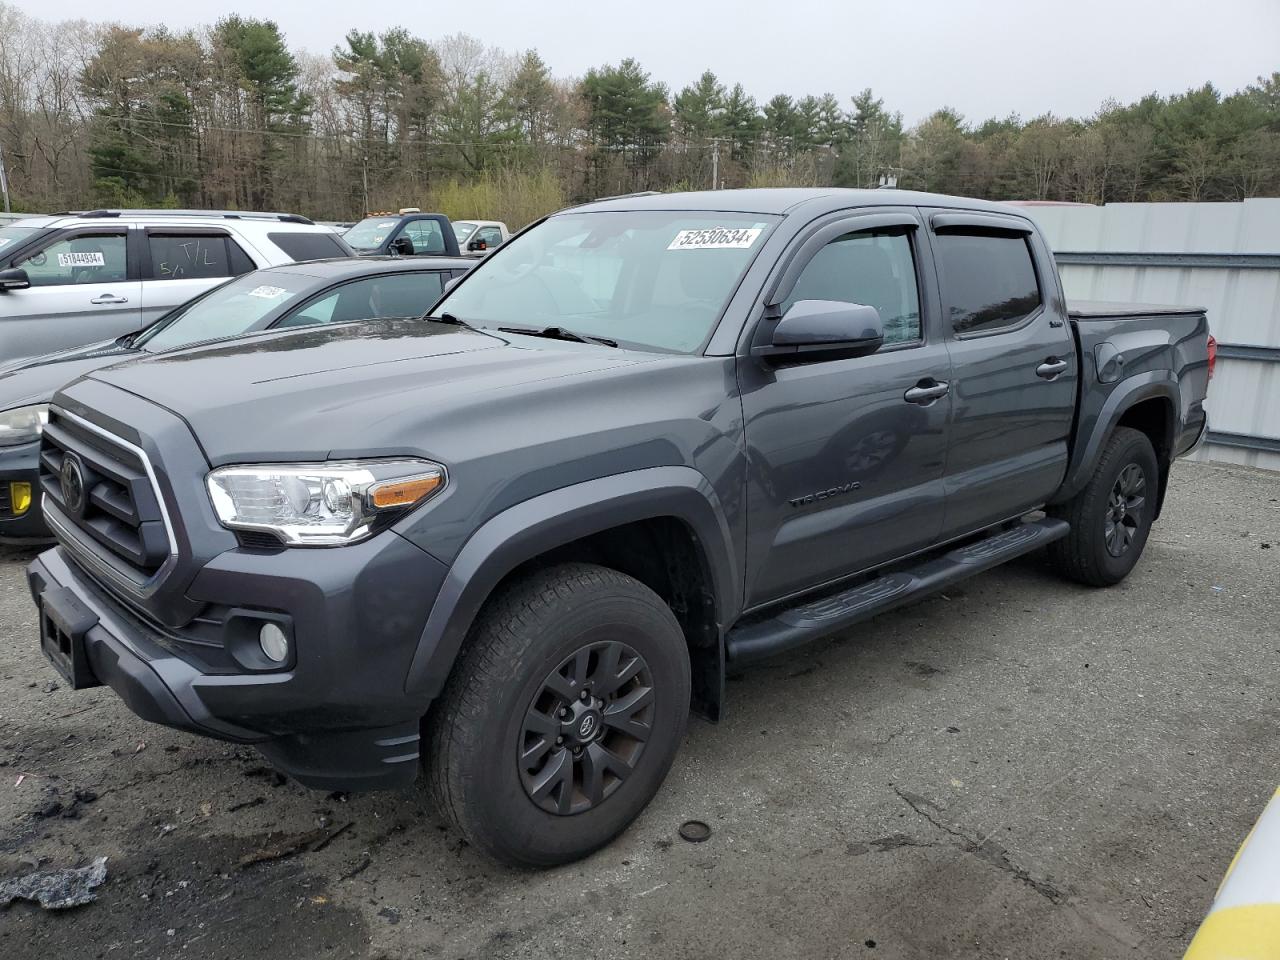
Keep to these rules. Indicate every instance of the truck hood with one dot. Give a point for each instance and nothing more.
(37, 379)
(343, 390)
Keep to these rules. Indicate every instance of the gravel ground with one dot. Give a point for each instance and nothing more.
(1020, 768)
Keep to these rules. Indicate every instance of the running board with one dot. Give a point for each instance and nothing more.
(799, 625)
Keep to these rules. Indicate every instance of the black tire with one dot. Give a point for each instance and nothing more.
(1088, 554)
(509, 678)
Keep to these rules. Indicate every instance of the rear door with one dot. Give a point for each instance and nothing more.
(1014, 367)
(179, 263)
(84, 288)
(845, 472)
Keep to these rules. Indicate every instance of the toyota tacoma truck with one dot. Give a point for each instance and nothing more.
(646, 441)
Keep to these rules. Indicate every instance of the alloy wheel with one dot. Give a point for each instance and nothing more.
(1125, 508)
(586, 728)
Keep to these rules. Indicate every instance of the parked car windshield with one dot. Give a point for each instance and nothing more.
(649, 280)
(14, 233)
(227, 311)
(463, 229)
(371, 232)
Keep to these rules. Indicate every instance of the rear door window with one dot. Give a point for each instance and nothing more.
(179, 256)
(988, 280)
(309, 246)
(83, 258)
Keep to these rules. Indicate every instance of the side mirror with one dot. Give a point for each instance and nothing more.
(15, 278)
(451, 283)
(476, 246)
(401, 247)
(824, 330)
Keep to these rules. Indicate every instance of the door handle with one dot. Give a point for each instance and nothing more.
(109, 298)
(1051, 368)
(926, 392)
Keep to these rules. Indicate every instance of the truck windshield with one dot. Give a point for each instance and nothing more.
(226, 311)
(654, 280)
(463, 229)
(371, 232)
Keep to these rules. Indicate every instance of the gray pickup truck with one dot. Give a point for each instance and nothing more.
(646, 440)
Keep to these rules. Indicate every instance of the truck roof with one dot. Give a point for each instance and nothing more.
(784, 200)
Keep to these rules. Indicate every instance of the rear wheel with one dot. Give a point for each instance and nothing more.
(1111, 517)
(562, 716)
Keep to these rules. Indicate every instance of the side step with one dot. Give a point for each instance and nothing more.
(796, 626)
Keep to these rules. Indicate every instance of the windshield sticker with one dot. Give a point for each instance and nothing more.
(386, 226)
(716, 238)
(94, 259)
(266, 292)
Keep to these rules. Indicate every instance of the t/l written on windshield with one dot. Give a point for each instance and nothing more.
(716, 238)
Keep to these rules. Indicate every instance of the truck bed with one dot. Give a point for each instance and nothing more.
(1112, 310)
(1137, 350)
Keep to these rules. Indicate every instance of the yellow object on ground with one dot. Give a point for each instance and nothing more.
(1244, 921)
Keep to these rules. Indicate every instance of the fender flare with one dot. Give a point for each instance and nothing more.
(1155, 384)
(553, 519)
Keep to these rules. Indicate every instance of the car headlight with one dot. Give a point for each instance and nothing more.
(22, 424)
(321, 504)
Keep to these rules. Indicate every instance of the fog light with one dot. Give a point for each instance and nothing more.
(274, 643)
(20, 498)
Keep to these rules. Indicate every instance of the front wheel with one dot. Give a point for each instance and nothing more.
(1111, 517)
(562, 717)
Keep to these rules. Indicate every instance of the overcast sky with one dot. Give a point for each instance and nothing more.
(983, 57)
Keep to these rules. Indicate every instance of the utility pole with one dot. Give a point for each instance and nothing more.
(4, 181)
(364, 173)
(715, 164)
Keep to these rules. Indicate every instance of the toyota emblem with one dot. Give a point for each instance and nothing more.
(71, 479)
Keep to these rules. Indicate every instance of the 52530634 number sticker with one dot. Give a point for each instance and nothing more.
(716, 238)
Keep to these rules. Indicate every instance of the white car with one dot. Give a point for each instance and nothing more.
(480, 236)
(76, 278)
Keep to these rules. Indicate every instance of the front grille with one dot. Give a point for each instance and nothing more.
(6, 504)
(101, 485)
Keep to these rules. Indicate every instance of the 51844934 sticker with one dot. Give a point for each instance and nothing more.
(716, 238)
(84, 258)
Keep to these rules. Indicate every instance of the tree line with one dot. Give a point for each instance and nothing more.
(228, 116)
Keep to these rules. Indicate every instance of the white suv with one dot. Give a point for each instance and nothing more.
(76, 278)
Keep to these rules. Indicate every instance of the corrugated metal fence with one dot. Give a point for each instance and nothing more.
(1221, 256)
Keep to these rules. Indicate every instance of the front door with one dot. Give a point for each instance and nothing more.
(846, 456)
(82, 290)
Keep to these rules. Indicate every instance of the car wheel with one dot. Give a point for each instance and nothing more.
(562, 716)
(1111, 517)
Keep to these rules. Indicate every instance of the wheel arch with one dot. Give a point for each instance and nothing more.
(1147, 403)
(689, 561)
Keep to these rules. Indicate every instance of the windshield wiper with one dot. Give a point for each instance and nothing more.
(450, 319)
(560, 333)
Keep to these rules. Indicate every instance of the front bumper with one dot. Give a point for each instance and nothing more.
(337, 717)
(20, 464)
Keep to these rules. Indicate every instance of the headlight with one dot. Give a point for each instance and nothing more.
(320, 504)
(22, 424)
